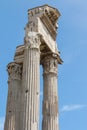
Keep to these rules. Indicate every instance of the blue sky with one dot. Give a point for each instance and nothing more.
(72, 43)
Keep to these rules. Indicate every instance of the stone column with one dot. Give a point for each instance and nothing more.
(13, 100)
(50, 93)
(31, 82)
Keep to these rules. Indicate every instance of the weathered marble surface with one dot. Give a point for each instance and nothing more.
(39, 47)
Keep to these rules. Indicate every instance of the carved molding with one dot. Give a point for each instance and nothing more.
(52, 13)
(32, 40)
(50, 65)
(14, 71)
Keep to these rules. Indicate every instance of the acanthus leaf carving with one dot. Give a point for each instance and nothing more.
(50, 65)
(32, 40)
(14, 71)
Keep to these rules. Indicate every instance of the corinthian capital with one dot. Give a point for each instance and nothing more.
(50, 64)
(14, 70)
(32, 40)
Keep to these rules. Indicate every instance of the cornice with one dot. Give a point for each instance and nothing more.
(48, 15)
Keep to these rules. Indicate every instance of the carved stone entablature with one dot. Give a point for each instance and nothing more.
(32, 41)
(31, 26)
(14, 71)
(50, 65)
(48, 16)
(52, 13)
(19, 54)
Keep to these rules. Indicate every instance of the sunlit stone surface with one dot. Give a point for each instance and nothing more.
(39, 48)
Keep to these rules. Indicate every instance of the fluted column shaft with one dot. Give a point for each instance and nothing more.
(31, 83)
(50, 96)
(13, 100)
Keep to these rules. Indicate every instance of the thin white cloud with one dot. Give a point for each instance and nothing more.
(2, 123)
(67, 108)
